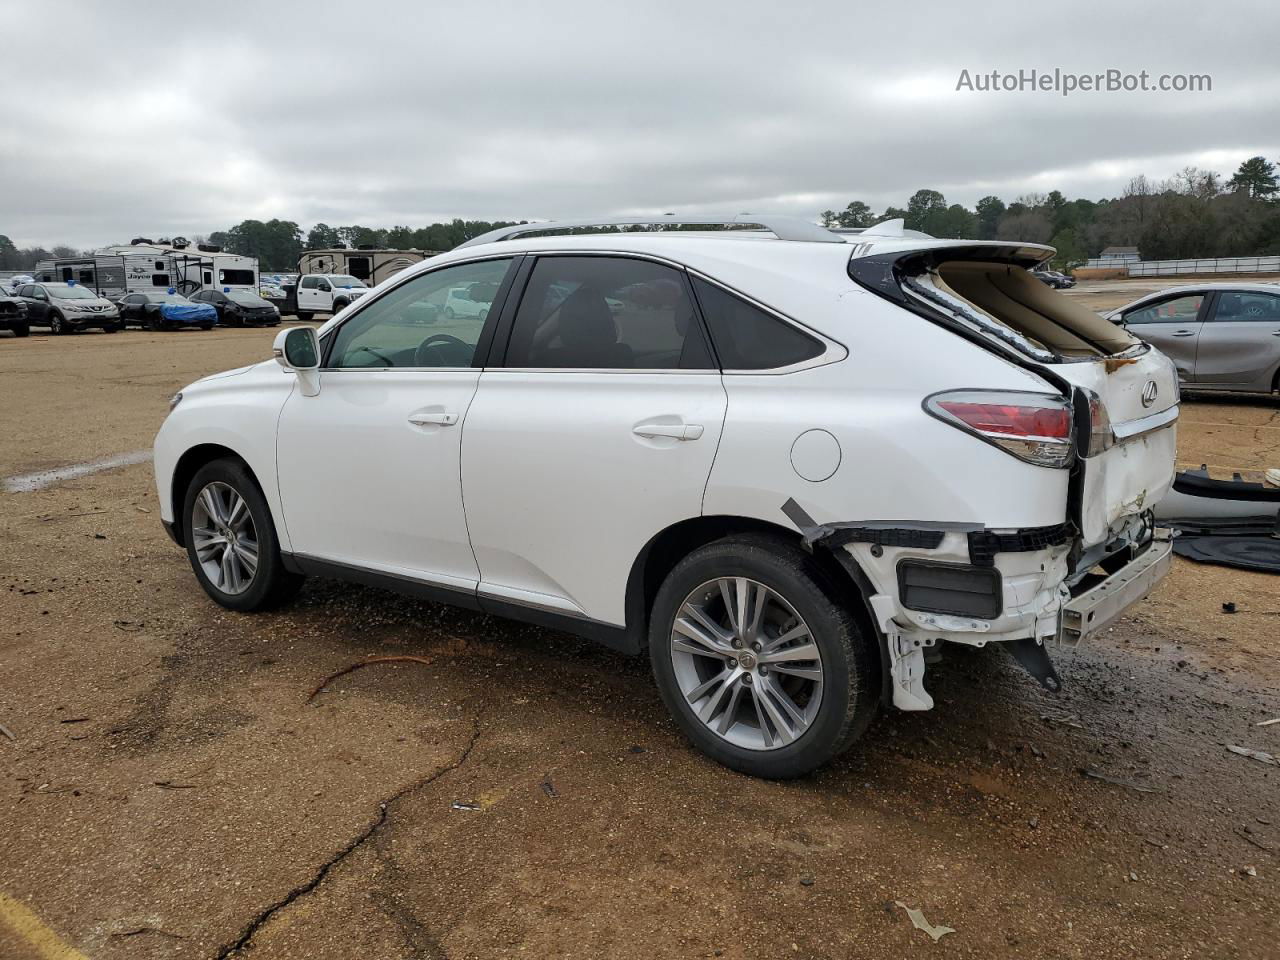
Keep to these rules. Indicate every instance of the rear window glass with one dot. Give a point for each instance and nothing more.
(606, 313)
(747, 338)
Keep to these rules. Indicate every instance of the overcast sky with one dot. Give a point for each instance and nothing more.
(185, 118)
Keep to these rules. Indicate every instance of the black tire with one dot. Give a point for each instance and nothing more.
(339, 305)
(206, 326)
(448, 313)
(272, 584)
(58, 325)
(850, 659)
(304, 317)
(21, 330)
(111, 328)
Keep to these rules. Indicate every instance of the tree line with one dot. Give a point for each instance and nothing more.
(1196, 213)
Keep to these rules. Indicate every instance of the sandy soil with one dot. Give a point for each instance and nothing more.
(170, 791)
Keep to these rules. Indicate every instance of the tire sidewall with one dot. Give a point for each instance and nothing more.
(829, 625)
(270, 566)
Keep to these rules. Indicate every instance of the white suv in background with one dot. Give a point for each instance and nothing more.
(787, 462)
(327, 293)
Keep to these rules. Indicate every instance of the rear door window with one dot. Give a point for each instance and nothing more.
(1237, 306)
(606, 313)
(746, 337)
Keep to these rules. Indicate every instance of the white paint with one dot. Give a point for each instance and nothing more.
(30, 482)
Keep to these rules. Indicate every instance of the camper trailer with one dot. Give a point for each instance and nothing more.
(144, 266)
(367, 265)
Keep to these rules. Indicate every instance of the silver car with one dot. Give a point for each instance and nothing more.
(1221, 336)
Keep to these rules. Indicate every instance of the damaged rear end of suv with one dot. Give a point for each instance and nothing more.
(1088, 449)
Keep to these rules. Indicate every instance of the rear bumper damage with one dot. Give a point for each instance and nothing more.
(961, 583)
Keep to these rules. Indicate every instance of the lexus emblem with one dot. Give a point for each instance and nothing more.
(1149, 393)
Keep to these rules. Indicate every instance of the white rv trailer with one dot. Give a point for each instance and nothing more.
(369, 265)
(145, 266)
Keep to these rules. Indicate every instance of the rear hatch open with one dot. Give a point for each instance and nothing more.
(1125, 393)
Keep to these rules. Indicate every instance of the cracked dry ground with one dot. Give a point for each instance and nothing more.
(171, 792)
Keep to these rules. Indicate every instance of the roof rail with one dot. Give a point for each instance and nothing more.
(784, 228)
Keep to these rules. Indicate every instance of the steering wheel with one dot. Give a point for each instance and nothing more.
(427, 351)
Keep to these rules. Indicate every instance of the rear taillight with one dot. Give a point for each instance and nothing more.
(1035, 427)
(1101, 436)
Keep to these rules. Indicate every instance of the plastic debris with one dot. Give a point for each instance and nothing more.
(1250, 871)
(1258, 755)
(8, 733)
(465, 805)
(1228, 607)
(1098, 775)
(807, 879)
(1267, 723)
(549, 789)
(920, 923)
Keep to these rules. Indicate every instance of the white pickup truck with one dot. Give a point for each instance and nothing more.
(327, 293)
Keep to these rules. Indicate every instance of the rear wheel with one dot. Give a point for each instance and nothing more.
(762, 669)
(231, 540)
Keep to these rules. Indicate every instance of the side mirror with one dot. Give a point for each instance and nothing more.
(297, 349)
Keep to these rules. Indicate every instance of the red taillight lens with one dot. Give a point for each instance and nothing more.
(1012, 420)
(1034, 427)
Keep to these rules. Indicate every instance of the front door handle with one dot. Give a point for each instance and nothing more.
(1185, 333)
(433, 419)
(675, 431)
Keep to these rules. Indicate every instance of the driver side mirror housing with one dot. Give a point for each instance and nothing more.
(297, 349)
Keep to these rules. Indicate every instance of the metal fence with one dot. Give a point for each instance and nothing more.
(1169, 268)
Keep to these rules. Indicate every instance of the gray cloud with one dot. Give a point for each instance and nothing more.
(412, 112)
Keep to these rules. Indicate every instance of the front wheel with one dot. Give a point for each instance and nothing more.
(760, 666)
(21, 330)
(58, 326)
(231, 540)
(304, 317)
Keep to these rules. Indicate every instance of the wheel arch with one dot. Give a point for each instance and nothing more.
(841, 576)
(185, 469)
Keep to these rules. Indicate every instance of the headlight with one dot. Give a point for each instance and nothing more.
(175, 400)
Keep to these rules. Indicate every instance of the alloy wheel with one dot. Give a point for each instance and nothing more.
(225, 538)
(746, 663)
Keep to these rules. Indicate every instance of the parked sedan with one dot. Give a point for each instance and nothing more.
(239, 308)
(165, 311)
(1052, 278)
(68, 308)
(1221, 336)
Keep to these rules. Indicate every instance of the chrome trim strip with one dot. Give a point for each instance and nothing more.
(1130, 429)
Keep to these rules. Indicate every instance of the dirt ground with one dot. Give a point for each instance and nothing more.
(171, 791)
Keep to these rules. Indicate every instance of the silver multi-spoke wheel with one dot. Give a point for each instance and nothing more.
(746, 663)
(224, 537)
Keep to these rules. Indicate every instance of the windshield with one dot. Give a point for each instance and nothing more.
(71, 293)
(166, 298)
(246, 299)
(342, 280)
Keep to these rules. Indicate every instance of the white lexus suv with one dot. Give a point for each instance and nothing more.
(786, 461)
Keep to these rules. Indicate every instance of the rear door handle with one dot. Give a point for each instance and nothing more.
(675, 431)
(433, 419)
(1185, 333)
